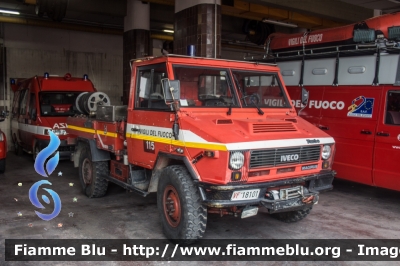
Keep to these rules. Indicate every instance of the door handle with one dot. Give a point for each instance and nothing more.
(366, 132)
(323, 127)
(383, 134)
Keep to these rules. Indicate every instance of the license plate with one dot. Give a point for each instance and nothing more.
(245, 194)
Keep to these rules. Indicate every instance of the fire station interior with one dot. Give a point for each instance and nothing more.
(99, 38)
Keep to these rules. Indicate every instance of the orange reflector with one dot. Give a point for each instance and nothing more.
(325, 165)
(259, 173)
(209, 154)
(236, 176)
(285, 170)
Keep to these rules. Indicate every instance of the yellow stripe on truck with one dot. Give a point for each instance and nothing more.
(93, 131)
(209, 146)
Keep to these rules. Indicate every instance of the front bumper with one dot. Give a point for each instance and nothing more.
(220, 196)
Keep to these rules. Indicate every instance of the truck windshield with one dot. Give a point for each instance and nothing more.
(260, 89)
(205, 87)
(57, 103)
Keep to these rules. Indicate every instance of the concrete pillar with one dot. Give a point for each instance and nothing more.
(377, 12)
(198, 22)
(136, 39)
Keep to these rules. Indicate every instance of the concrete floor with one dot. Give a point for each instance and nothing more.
(349, 211)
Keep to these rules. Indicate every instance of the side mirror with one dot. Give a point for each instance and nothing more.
(304, 96)
(171, 90)
(34, 114)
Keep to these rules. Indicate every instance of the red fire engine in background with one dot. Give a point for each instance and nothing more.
(353, 75)
(206, 136)
(43, 103)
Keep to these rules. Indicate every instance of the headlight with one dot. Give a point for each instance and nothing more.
(326, 152)
(237, 160)
(57, 132)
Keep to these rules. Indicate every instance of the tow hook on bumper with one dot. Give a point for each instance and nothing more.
(299, 203)
(307, 200)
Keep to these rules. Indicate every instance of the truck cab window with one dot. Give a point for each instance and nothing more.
(15, 107)
(393, 108)
(23, 98)
(32, 103)
(205, 87)
(262, 89)
(57, 103)
(149, 90)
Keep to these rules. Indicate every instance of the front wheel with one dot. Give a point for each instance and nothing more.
(92, 175)
(293, 216)
(183, 215)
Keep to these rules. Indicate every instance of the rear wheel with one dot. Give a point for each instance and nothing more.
(92, 175)
(2, 165)
(17, 148)
(293, 216)
(183, 215)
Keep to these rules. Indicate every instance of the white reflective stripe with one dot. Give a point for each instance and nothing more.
(189, 136)
(165, 132)
(39, 130)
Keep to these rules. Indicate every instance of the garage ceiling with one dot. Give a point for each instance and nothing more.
(108, 16)
(387, 6)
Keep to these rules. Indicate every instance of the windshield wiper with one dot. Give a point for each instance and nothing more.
(260, 112)
(230, 110)
(253, 98)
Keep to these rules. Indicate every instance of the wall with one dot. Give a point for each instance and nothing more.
(33, 51)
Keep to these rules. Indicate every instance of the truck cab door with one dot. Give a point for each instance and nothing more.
(150, 121)
(387, 141)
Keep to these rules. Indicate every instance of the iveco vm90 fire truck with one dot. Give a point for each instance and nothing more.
(207, 137)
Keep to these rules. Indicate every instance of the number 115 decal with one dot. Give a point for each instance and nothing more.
(149, 146)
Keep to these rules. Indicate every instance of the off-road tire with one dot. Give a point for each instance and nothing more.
(192, 223)
(17, 148)
(293, 216)
(2, 165)
(96, 171)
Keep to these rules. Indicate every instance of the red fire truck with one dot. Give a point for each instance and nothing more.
(41, 104)
(206, 136)
(353, 76)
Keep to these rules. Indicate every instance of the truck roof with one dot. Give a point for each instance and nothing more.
(179, 58)
(55, 83)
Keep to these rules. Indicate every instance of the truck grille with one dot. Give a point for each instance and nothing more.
(275, 157)
(275, 127)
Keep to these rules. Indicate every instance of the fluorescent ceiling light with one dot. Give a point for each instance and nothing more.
(9, 12)
(280, 23)
(169, 31)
